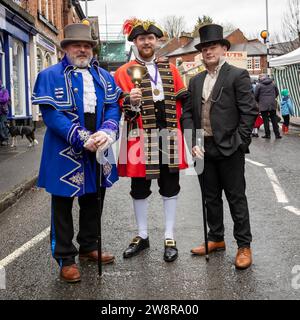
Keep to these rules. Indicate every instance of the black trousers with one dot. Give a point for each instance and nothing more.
(62, 229)
(286, 120)
(228, 174)
(266, 115)
(168, 185)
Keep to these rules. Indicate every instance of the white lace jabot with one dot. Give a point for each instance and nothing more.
(89, 96)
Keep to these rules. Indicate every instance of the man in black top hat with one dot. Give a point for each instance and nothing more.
(222, 105)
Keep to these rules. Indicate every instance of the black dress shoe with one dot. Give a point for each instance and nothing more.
(266, 137)
(279, 137)
(136, 246)
(171, 252)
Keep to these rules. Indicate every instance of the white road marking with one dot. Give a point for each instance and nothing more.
(280, 194)
(27, 246)
(293, 210)
(255, 163)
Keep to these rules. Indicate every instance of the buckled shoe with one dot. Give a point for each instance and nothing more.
(136, 246)
(171, 252)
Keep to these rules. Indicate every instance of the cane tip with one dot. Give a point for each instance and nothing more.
(207, 258)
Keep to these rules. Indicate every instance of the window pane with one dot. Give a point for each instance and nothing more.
(257, 63)
(39, 60)
(250, 64)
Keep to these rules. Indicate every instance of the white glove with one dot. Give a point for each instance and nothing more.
(90, 145)
(103, 140)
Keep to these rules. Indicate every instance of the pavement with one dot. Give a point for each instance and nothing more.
(295, 121)
(19, 168)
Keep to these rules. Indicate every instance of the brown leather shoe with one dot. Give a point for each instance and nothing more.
(243, 259)
(106, 258)
(70, 274)
(212, 247)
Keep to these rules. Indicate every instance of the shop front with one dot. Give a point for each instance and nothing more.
(15, 35)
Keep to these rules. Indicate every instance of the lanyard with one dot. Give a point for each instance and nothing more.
(155, 80)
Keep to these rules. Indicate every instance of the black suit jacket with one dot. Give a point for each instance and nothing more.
(233, 111)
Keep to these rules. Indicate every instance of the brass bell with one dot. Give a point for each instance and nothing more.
(137, 73)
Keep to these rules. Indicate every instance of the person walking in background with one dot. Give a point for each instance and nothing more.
(259, 121)
(287, 110)
(266, 93)
(4, 100)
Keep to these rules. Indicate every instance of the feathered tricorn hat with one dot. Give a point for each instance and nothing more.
(135, 27)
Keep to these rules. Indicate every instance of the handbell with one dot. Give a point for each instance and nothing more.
(137, 73)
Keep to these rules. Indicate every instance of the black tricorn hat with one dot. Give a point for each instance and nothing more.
(139, 30)
(135, 27)
(211, 33)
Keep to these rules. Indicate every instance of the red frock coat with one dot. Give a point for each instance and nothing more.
(135, 167)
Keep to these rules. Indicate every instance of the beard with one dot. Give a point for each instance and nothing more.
(147, 55)
(80, 61)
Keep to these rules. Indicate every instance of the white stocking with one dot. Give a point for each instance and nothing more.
(170, 205)
(141, 215)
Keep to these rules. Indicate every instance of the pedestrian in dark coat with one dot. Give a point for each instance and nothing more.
(223, 105)
(266, 93)
(4, 100)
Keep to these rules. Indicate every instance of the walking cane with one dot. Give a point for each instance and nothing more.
(99, 213)
(202, 186)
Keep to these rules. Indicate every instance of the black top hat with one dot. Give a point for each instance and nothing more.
(211, 33)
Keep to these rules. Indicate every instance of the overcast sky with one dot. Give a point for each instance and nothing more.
(248, 15)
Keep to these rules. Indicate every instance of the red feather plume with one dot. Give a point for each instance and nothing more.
(128, 26)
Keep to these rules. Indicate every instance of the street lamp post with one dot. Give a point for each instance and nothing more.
(268, 38)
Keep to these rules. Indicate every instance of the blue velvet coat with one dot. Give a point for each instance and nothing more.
(66, 169)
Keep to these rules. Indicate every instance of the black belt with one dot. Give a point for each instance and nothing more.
(90, 121)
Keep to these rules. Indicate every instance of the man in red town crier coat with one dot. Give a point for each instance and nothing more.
(152, 147)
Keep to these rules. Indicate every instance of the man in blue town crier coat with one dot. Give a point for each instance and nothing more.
(79, 104)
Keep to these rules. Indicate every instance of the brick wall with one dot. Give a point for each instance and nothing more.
(59, 15)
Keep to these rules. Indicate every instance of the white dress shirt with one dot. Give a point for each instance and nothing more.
(211, 79)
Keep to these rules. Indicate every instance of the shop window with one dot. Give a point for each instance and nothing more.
(18, 79)
(48, 60)
(2, 61)
(39, 60)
